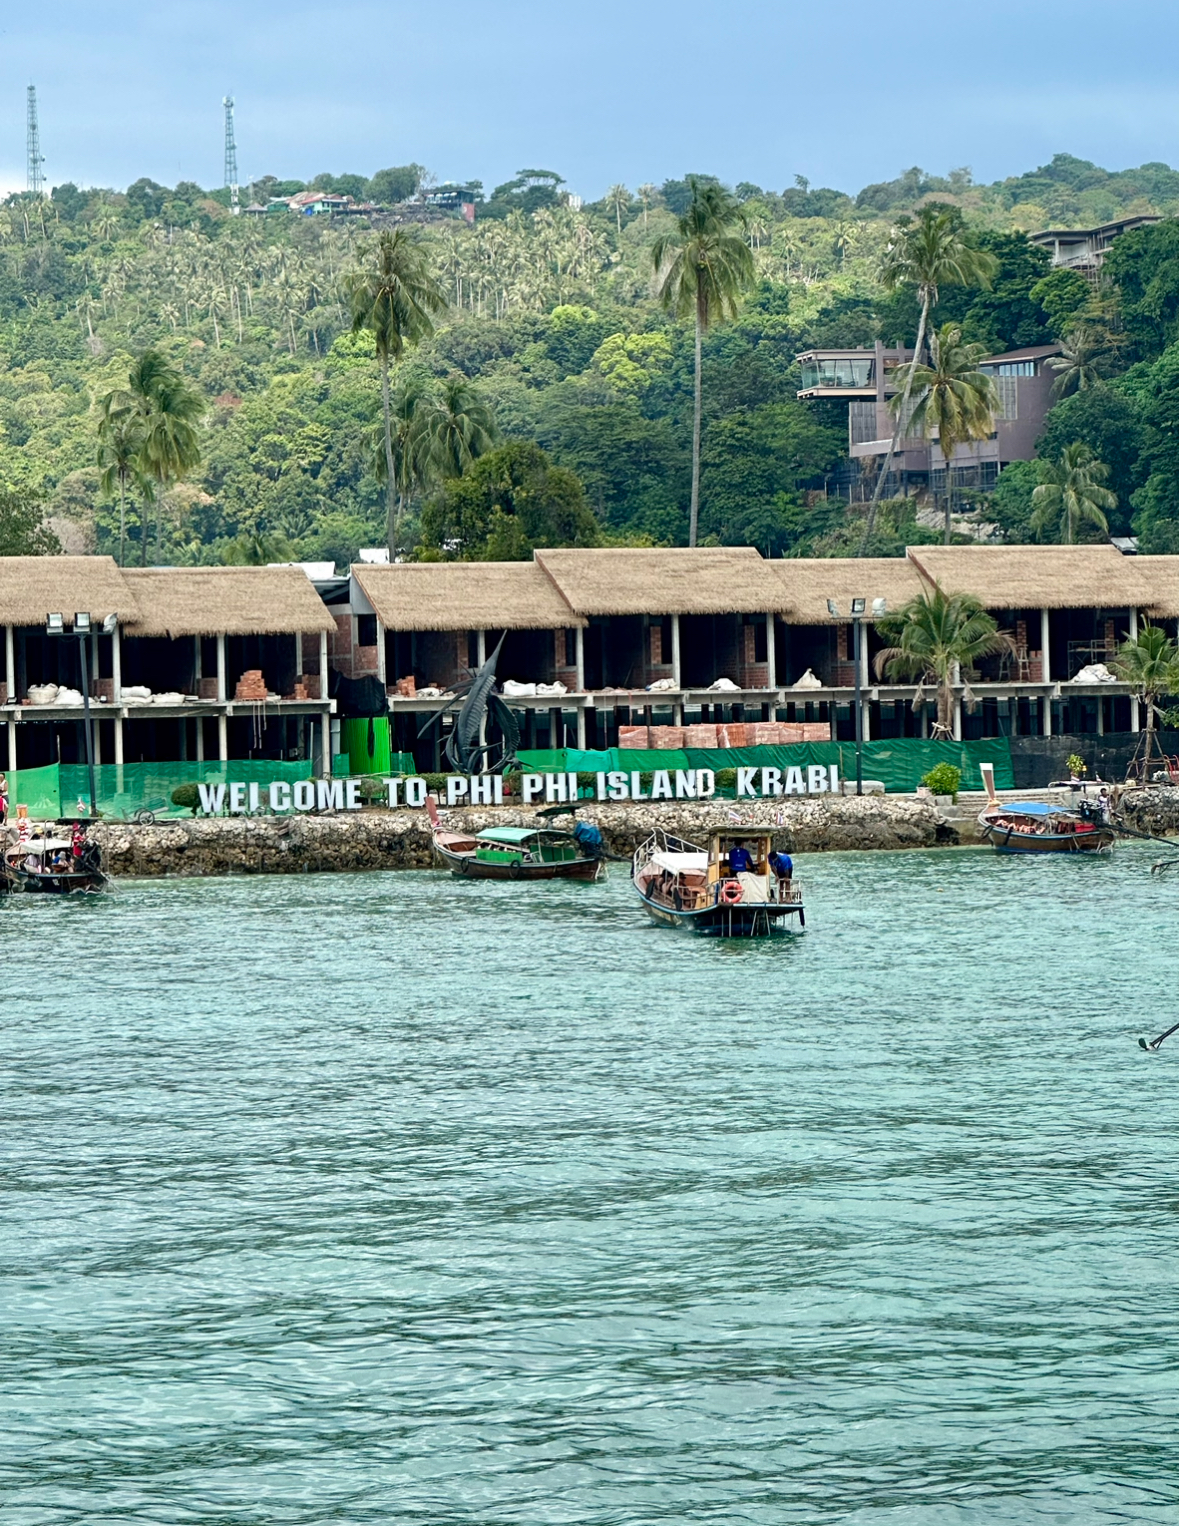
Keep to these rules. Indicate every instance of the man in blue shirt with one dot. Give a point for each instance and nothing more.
(740, 859)
(782, 865)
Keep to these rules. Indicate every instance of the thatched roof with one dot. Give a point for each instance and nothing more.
(463, 596)
(718, 580)
(33, 586)
(225, 601)
(1158, 581)
(808, 585)
(1034, 577)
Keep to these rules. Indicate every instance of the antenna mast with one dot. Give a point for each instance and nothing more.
(230, 158)
(36, 175)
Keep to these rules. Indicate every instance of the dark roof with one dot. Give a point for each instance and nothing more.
(1029, 352)
(1120, 223)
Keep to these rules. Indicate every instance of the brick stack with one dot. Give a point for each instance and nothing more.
(634, 737)
(732, 734)
(703, 735)
(299, 691)
(251, 686)
(764, 734)
(406, 688)
(665, 738)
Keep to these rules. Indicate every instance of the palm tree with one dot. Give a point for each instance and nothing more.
(702, 269)
(1150, 665)
(396, 297)
(928, 253)
(934, 636)
(647, 194)
(618, 199)
(954, 399)
(169, 410)
(461, 427)
(406, 439)
(1083, 360)
(120, 447)
(1071, 493)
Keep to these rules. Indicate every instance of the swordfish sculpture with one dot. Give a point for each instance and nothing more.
(465, 751)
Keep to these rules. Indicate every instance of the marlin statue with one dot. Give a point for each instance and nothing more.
(480, 701)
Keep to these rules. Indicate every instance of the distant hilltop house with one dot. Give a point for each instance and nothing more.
(317, 204)
(435, 207)
(1084, 249)
(867, 379)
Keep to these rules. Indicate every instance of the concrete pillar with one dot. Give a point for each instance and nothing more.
(580, 725)
(1045, 652)
(675, 651)
(556, 727)
(1100, 716)
(200, 739)
(223, 737)
(10, 664)
(1046, 714)
(480, 648)
(12, 746)
(323, 665)
(117, 676)
(96, 731)
(197, 671)
(381, 652)
(771, 654)
(119, 745)
(1135, 718)
(221, 680)
(579, 637)
(957, 718)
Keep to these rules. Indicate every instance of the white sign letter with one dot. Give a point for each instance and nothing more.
(353, 803)
(661, 784)
(771, 781)
(392, 785)
(212, 798)
(532, 785)
(705, 783)
(280, 796)
(415, 792)
(816, 779)
(794, 783)
(304, 794)
(456, 788)
(745, 781)
(329, 794)
(685, 784)
(617, 787)
(237, 798)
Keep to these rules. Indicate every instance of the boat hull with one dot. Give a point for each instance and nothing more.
(467, 866)
(1005, 841)
(757, 919)
(54, 884)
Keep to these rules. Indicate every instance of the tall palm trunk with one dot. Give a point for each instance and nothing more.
(900, 424)
(144, 532)
(949, 502)
(122, 519)
(694, 513)
(945, 709)
(392, 514)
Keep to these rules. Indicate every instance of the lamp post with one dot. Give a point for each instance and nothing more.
(858, 608)
(55, 626)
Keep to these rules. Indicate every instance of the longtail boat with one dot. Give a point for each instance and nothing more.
(514, 853)
(53, 865)
(1034, 826)
(707, 890)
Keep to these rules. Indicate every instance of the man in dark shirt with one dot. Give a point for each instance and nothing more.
(740, 859)
(782, 865)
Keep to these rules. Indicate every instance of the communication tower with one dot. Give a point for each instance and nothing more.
(230, 158)
(36, 174)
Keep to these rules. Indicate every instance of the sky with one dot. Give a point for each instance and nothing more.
(624, 90)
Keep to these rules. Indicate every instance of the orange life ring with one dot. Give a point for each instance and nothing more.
(731, 892)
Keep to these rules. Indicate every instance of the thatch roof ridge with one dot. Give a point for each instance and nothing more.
(1159, 580)
(1033, 577)
(225, 601)
(33, 586)
(663, 580)
(458, 596)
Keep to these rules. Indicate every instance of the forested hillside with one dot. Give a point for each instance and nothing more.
(587, 378)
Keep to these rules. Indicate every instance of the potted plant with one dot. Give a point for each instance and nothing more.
(943, 780)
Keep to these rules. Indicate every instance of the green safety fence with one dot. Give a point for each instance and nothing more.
(898, 764)
(126, 788)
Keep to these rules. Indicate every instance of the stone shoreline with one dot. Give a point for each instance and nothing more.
(383, 839)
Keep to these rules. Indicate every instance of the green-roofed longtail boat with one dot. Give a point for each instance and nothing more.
(515, 853)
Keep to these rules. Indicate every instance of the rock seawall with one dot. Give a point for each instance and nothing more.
(380, 839)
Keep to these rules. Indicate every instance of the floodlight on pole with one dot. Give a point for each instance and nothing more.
(55, 625)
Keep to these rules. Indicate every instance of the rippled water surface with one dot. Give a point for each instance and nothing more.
(392, 1198)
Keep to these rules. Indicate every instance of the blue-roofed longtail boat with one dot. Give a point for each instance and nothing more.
(517, 853)
(1034, 826)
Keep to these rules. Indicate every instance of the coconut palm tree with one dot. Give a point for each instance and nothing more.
(1071, 493)
(934, 636)
(120, 446)
(406, 439)
(618, 200)
(1150, 665)
(951, 398)
(395, 296)
(647, 194)
(927, 253)
(169, 410)
(460, 425)
(701, 270)
(1083, 361)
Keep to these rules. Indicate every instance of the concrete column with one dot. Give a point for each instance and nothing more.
(10, 664)
(119, 745)
(223, 737)
(957, 719)
(323, 665)
(117, 676)
(197, 672)
(12, 746)
(863, 655)
(1045, 652)
(480, 647)
(771, 654)
(579, 637)
(580, 725)
(221, 681)
(1046, 714)
(1135, 718)
(200, 739)
(675, 651)
(556, 727)
(97, 733)
(381, 652)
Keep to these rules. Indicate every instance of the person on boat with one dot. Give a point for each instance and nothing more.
(782, 865)
(740, 859)
(1103, 805)
(3, 801)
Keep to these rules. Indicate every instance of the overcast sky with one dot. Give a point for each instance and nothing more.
(633, 90)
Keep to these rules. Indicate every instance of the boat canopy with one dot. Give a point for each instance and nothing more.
(681, 863)
(517, 835)
(1034, 808)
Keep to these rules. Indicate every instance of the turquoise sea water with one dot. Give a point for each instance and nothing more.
(401, 1199)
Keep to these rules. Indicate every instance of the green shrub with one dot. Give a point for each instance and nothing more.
(1075, 764)
(943, 779)
(188, 796)
(373, 790)
(726, 781)
(436, 782)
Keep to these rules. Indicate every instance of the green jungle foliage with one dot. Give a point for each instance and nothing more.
(552, 315)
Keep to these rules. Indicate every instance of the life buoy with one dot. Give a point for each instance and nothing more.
(516, 869)
(731, 892)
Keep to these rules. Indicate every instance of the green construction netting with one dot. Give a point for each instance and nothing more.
(898, 764)
(366, 741)
(125, 788)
